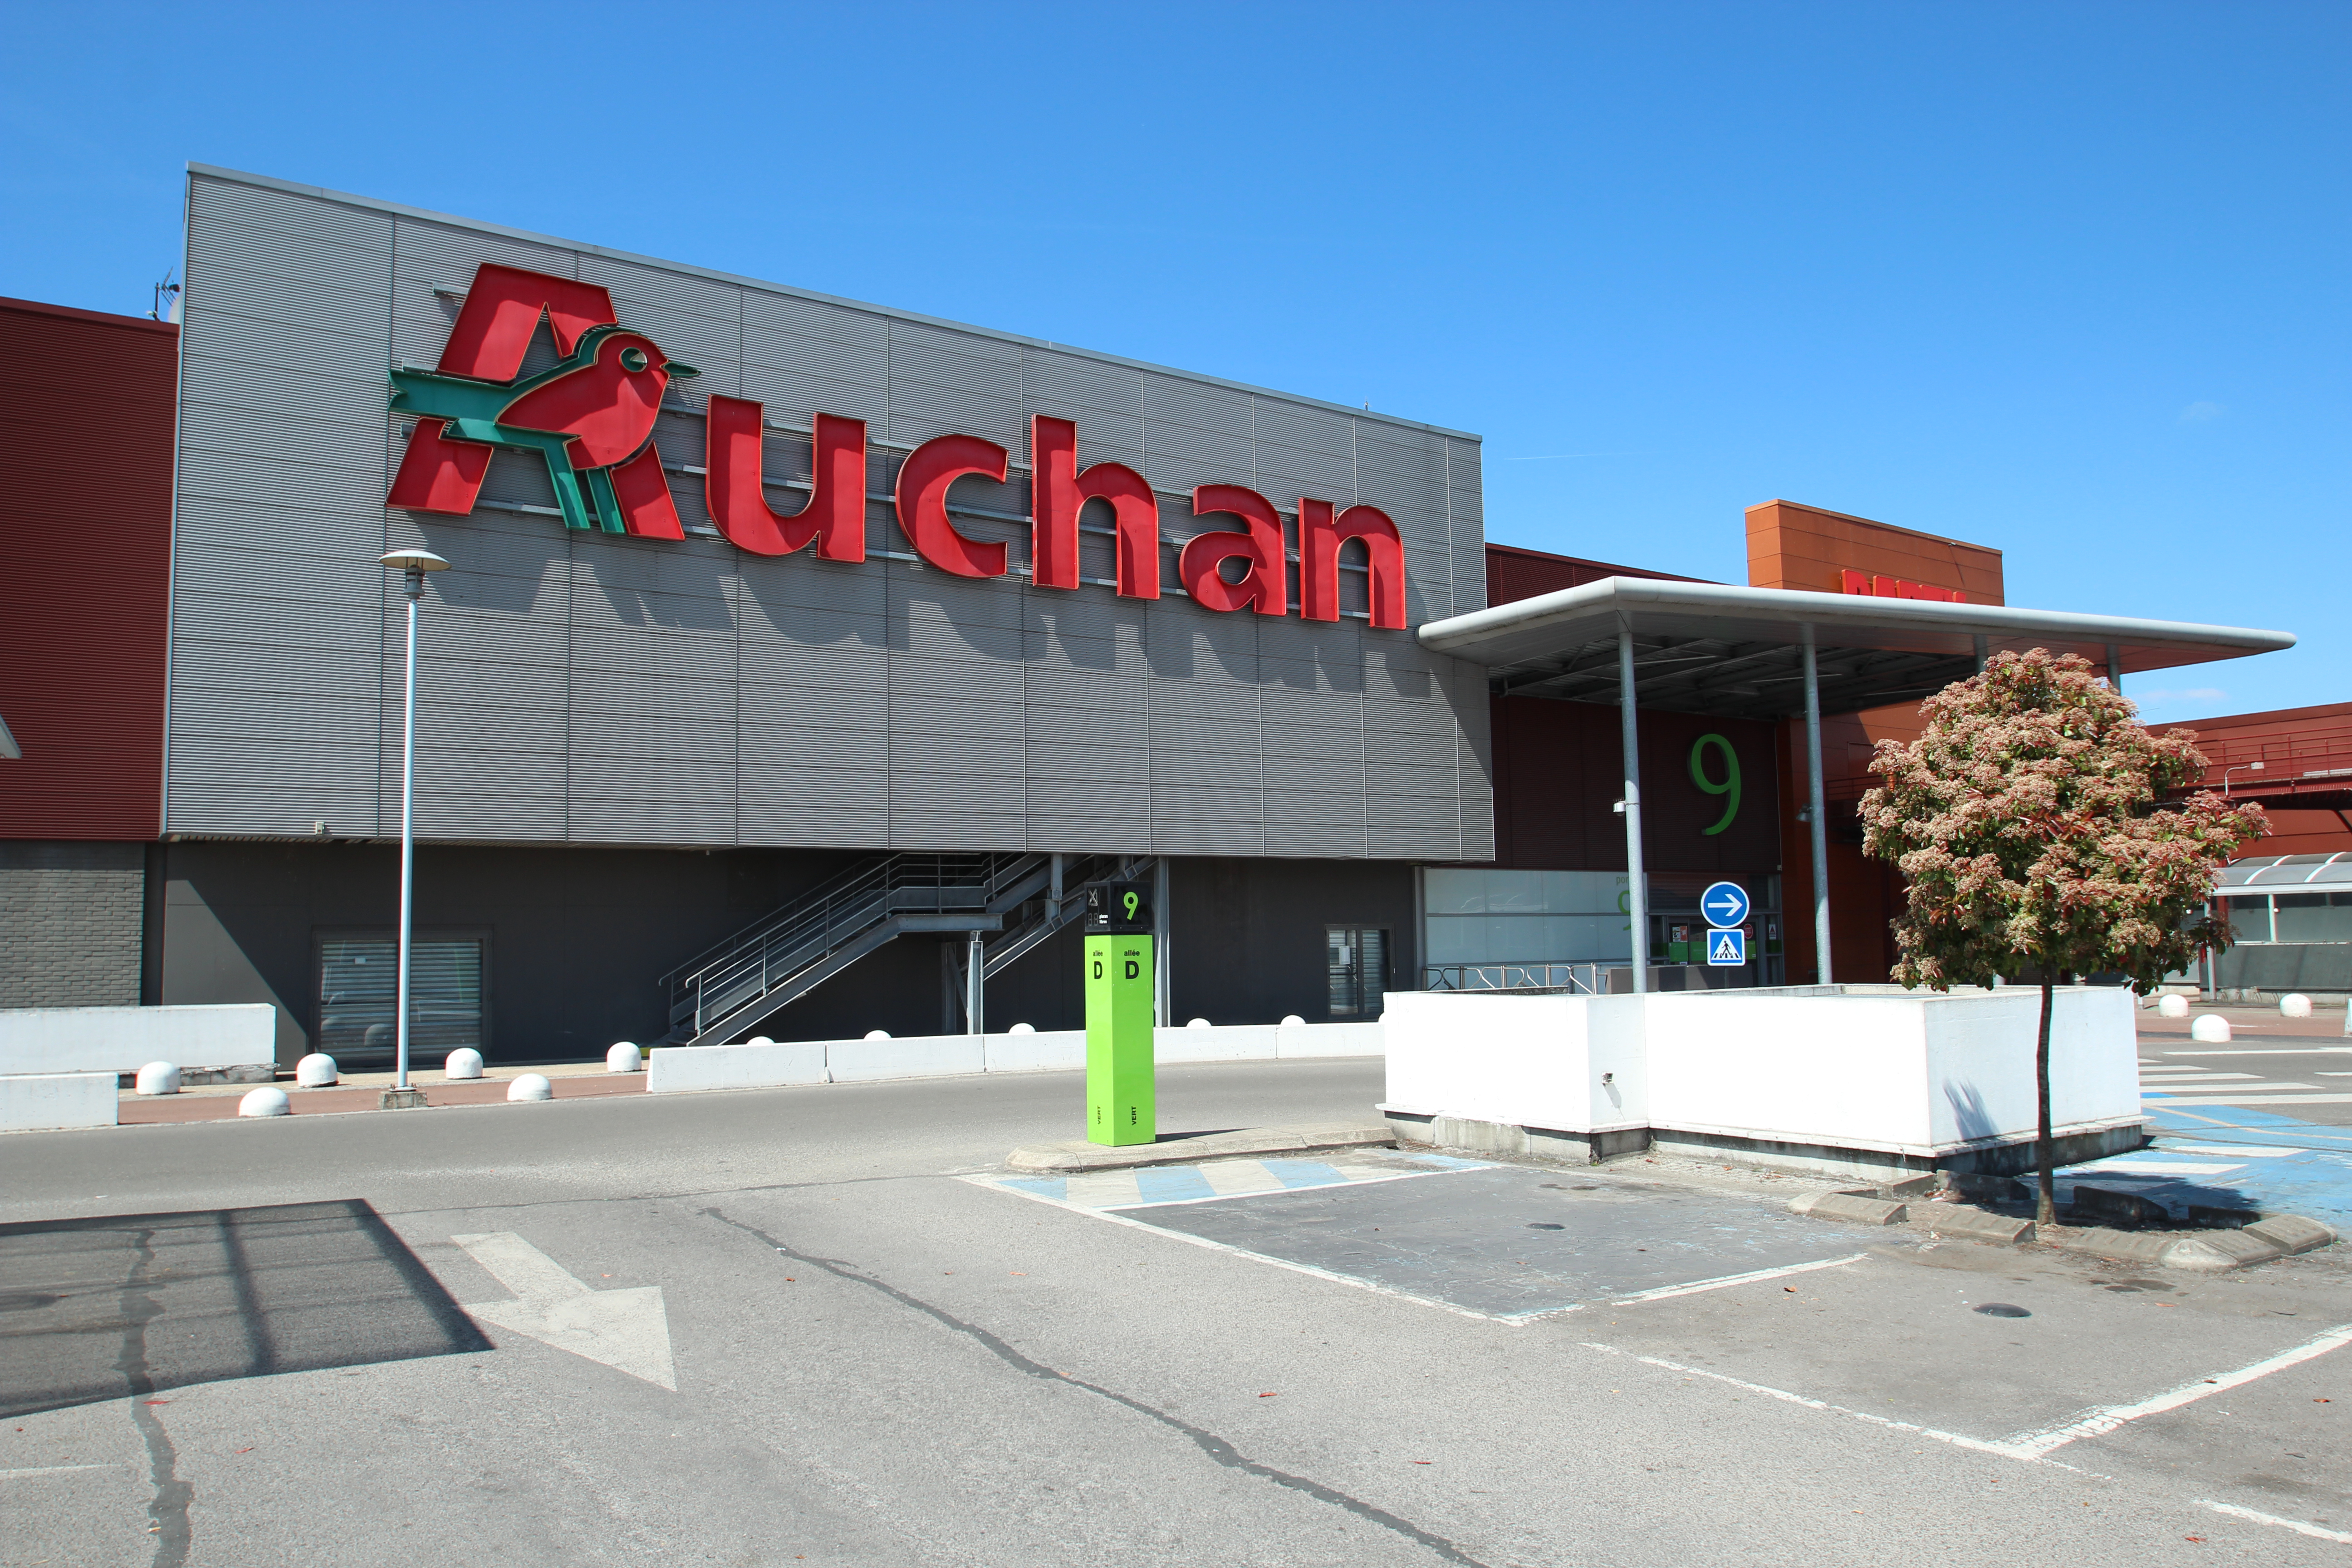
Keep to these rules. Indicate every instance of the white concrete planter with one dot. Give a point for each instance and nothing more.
(208, 1042)
(1848, 1080)
(672, 1069)
(39, 1101)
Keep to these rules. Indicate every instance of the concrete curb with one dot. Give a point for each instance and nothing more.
(2215, 1250)
(1848, 1206)
(1962, 1223)
(1182, 1148)
(2206, 1251)
(2290, 1232)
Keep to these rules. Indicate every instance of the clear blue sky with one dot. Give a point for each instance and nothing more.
(2067, 280)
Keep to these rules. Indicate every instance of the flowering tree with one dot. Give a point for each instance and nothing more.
(2025, 822)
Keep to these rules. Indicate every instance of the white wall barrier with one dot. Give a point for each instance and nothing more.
(203, 1041)
(675, 1070)
(1860, 1075)
(39, 1101)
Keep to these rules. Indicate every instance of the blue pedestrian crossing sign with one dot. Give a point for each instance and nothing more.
(1727, 949)
(1724, 904)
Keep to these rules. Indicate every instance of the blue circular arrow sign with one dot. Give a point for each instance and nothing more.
(1724, 904)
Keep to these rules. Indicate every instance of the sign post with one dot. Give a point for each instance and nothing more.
(1121, 1105)
(1726, 906)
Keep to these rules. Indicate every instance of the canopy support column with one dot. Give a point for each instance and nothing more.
(1637, 898)
(2114, 670)
(1818, 815)
(1979, 641)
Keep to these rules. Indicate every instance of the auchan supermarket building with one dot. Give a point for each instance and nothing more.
(795, 652)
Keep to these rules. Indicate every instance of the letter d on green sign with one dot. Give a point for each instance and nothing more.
(1121, 1105)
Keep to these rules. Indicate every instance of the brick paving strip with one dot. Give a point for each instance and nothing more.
(222, 1102)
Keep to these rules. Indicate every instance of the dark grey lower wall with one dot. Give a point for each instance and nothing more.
(579, 936)
(71, 920)
(2288, 967)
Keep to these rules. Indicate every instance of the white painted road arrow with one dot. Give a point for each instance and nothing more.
(625, 1330)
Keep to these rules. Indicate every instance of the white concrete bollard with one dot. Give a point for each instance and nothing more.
(1292, 1020)
(2169, 1006)
(1197, 1024)
(878, 1033)
(625, 1056)
(531, 1086)
(763, 1040)
(158, 1078)
(2212, 1029)
(462, 1063)
(266, 1102)
(316, 1071)
(1021, 1029)
(2294, 1004)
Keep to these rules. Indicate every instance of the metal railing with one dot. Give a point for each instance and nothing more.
(1577, 979)
(769, 955)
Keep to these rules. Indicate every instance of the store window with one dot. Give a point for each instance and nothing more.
(2313, 917)
(1525, 917)
(2250, 919)
(1358, 965)
(359, 984)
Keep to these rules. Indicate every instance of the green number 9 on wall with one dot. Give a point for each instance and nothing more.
(1727, 786)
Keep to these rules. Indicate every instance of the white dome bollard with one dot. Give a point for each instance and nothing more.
(462, 1063)
(316, 1071)
(878, 1033)
(2172, 1006)
(1021, 1029)
(531, 1086)
(266, 1102)
(2294, 1004)
(1197, 1024)
(2212, 1029)
(1292, 1020)
(625, 1056)
(158, 1078)
(759, 1040)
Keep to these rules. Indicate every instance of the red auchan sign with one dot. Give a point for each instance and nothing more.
(1852, 582)
(592, 418)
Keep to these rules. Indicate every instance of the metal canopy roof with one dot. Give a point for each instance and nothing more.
(1731, 652)
(2288, 873)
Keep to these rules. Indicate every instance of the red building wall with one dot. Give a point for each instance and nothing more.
(1556, 765)
(86, 400)
(2305, 779)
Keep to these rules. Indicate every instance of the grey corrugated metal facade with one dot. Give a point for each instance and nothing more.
(586, 688)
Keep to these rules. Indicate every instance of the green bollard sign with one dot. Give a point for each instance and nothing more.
(1121, 1105)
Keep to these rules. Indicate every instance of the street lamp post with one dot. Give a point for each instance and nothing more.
(413, 564)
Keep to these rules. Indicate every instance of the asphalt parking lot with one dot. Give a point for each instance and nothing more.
(816, 1325)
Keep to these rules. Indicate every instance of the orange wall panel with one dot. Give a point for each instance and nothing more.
(1791, 545)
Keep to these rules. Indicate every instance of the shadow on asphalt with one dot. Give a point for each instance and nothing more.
(125, 1305)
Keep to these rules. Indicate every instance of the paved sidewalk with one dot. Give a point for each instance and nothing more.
(213, 1102)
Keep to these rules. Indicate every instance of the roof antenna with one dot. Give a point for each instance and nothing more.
(166, 288)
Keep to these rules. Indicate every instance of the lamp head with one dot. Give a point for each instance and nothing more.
(414, 561)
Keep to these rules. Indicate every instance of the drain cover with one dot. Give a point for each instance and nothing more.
(2002, 1310)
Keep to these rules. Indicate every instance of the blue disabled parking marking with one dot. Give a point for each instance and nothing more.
(2231, 1157)
(1174, 1183)
(1300, 1173)
(1056, 1188)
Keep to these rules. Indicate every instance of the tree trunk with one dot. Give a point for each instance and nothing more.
(2045, 1146)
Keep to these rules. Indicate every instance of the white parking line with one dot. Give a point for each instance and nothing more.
(2098, 1422)
(2295, 1524)
(1665, 1290)
(51, 1471)
(1979, 1444)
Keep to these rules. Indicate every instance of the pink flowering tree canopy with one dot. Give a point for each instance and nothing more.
(2028, 827)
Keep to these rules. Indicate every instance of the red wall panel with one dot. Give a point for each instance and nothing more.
(86, 405)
